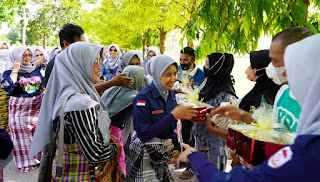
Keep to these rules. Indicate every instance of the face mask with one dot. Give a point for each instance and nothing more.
(251, 73)
(206, 72)
(275, 73)
(185, 66)
(4, 52)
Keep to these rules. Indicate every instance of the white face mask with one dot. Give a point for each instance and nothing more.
(275, 73)
(4, 52)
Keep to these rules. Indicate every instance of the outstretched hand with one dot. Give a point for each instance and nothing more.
(232, 113)
(122, 80)
(184, 155)
(184, 112)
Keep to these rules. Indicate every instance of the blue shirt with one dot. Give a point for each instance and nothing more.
(15, 89)
(197, 77)
(301, 163)
(152, 115)
(106, 73)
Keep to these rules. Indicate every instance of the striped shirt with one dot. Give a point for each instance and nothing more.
(82, 127)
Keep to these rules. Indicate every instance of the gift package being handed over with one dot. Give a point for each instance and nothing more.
(188, 95)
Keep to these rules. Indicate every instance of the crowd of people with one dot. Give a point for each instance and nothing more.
(94, 113)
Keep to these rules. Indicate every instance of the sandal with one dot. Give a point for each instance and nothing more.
(187, 174)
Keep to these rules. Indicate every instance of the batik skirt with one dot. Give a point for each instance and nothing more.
(77, 168)
(148, 162)
(23, 118)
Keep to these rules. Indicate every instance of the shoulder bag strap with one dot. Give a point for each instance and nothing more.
(61, 138)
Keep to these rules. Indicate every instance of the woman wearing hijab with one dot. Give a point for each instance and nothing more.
(41, 59)
(130, 58)
(23, 83)
(155, 113)
(54, 52)
(297, 162)
(87, 153)
(219, 88)
(264, 86)
(111, 62)
(152, 51)
(4, 56)
(118, 100)
(4, 45)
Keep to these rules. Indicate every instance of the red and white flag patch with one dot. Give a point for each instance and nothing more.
(281, 157)
(141, 103)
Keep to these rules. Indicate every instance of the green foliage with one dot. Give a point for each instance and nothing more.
(236, 26)
(8, 9)
(129, 22)
(15, 34)
(50, 18)
(5, 38)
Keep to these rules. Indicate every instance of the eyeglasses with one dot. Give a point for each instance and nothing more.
(151, 55)
(98, 61)
(38, 55)
(114, 50)
(26, 55)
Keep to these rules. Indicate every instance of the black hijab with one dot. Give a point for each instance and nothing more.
(218, 77)
(264, 86)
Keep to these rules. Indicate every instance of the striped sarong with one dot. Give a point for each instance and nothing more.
(77, 168)
(148, 162)
(23, 118)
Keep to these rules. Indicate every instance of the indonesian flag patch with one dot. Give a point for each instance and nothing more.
(280, 158)
(141, 103)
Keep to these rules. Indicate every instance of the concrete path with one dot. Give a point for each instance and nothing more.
(10, 173)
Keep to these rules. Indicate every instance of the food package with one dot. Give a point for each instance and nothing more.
(190, 97)
(224, 122)
(258, 141)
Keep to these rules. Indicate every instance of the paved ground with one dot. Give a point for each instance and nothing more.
(11, 174)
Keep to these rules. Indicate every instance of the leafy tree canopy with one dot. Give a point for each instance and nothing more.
(9, 8)
(236, 26)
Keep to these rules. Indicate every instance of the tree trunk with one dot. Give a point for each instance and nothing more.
(190, 43)
(144, 41)
(44, 41)
(163, 35)
(24, 27)
(190, 39)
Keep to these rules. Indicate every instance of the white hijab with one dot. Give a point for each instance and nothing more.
(71, 72)
(110, 62)
(302, 60)
(44, 52)
(4, 56)
(156, 52)
(54, 52)
(16, 54)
